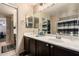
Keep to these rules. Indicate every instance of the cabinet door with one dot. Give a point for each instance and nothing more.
(60, 51)
(32, 47)
(51, 50)
(42, 49)
(26, 44)
(57, 51)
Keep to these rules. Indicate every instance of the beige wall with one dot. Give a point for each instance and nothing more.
(23, 10)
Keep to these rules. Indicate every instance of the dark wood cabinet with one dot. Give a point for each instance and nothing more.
(56, 51)
(38, 48)
(51, 51)
(60, 51)
(26, 47)
(26, 44)
(42, 48)
(32, 47)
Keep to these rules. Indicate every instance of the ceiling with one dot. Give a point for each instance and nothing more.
(6, 10)
(59, 8)
(54, 9)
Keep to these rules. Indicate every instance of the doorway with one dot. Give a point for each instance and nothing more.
(8, 32)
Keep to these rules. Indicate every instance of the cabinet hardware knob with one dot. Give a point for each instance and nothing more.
(47, 44)
(51, 46)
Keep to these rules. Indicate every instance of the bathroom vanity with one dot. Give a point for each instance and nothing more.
(49, 45)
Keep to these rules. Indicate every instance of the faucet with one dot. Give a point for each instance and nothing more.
(58, 36)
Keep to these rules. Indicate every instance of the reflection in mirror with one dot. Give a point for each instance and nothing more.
(2, 29)
(7, 29)
(32, 22)
(29, 22)
(36, 22)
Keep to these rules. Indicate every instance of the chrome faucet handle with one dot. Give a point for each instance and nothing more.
(58, 36)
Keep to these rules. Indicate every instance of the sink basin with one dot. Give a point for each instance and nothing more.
(66, 40)
(53, 38)
(38, 35)
(57, 40)
(69, 41)
(63, 40)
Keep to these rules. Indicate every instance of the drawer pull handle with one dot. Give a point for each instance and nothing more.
(47, 44)
(51, 46)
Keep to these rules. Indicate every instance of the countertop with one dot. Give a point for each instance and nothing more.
(72, 44)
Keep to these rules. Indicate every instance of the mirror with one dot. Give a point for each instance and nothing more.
(32, 22)
(29, 22)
